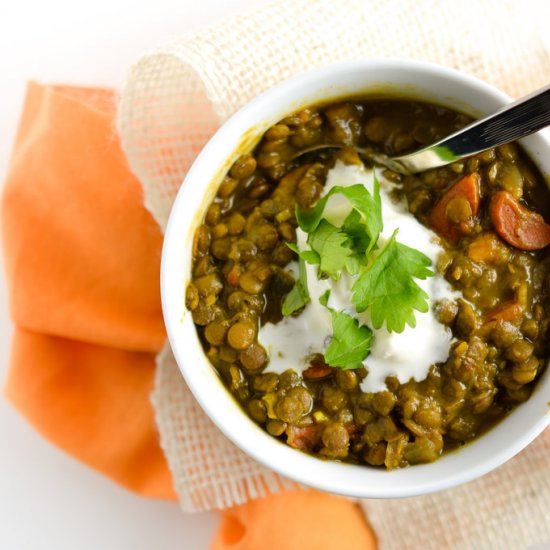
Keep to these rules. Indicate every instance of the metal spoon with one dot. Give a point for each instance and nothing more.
(519, 119)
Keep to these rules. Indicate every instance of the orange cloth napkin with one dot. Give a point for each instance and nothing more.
(295, 520)
(82, 262)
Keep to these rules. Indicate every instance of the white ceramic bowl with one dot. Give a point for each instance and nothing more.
(405, 78)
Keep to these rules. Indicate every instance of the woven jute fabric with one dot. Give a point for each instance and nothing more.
(508, 509)
(209, 471)
(172, 103)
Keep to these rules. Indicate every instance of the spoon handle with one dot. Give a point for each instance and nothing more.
(519, 119)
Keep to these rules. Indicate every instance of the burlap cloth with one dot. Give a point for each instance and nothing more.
(174, 100)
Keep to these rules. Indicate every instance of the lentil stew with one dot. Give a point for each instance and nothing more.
(489, 212)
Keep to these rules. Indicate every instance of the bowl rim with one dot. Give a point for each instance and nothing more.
(280, 453)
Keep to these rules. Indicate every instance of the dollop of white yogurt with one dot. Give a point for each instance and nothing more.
(405, 355)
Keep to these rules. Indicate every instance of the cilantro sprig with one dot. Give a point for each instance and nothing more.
(366, 215)
(342, 249)
(385, 280)
(298, 297)
(350, 342)
(388, 288)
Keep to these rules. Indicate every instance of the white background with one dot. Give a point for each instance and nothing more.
(47, 499)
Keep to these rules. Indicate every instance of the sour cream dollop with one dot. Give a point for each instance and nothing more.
(405, 355)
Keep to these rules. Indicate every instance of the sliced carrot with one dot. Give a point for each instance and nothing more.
(467, 188)
(316, 372)
(317, 369)
(234, 275)
(516, 224)
(509, 311)
(352, 429)
(304, 438)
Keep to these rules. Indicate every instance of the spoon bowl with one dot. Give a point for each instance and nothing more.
(515, 121)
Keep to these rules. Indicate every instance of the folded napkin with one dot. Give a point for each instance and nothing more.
(82, 263)
(82, 259)
(295, 520)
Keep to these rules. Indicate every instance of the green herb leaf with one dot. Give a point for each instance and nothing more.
(386, 283)
(298, 297)
(368, 220)
(350, 343)
(332, 247)
(323, 299)
(360, 241)
(309, 256)
(388, 289)
(353, 264)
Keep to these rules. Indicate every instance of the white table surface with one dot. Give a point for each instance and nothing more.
(48, 499)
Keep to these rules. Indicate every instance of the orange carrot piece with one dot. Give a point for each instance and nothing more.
(316, 372)
(352, 429)
(233, 275)
(304, 438)
(317, 368)
(518, 225)
(509, 311)
(468, 188)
